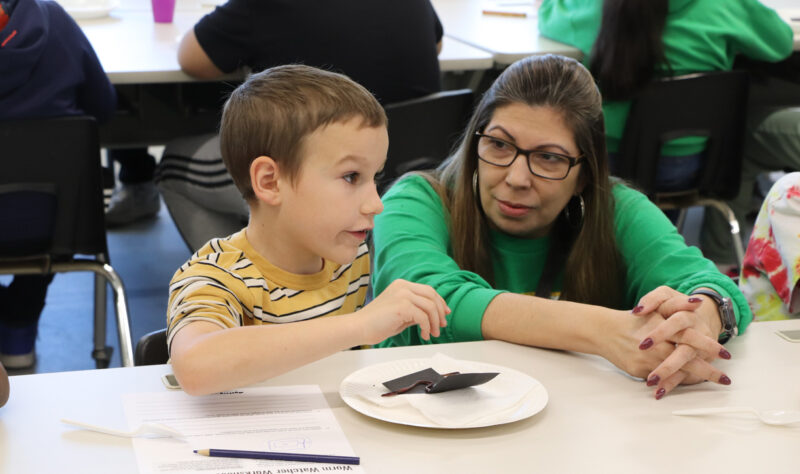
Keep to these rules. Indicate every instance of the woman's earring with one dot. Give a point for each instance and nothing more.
(574, 211)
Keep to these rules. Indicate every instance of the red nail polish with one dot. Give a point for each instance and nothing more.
(637, 309)
(724, 380)
(724, 354)
(660, 393)
(653, 380)
(695, 300)
(646, 344)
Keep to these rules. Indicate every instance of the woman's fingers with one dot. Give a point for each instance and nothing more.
(667, 385)
(666, 302)
(672, 364)
(665, 377)
(652, 300)
(701, 343)
(683, 327)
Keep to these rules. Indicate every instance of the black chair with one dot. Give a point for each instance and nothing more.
(51, 213)
(152, 349)
(710, 105)
(422, 131)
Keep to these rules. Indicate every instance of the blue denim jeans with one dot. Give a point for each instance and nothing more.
(675, 173)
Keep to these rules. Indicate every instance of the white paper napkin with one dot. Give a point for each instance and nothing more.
(498, 397)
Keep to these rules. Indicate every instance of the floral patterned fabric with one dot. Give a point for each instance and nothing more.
(6, 7)
(771, 267)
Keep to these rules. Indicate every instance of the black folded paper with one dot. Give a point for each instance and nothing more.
(430, 381)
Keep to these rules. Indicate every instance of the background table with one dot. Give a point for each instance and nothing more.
(133, 49)
(597, 419)
(508, 39)
(160, 102)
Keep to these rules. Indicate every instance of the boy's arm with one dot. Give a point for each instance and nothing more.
(207, 358)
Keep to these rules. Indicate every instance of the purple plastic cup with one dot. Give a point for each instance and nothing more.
(163, 10)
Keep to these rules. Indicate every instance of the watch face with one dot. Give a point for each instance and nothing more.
(728, 317)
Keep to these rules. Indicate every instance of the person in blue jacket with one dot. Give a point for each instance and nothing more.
(47, 69)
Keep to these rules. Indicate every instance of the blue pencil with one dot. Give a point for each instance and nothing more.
(234, 453)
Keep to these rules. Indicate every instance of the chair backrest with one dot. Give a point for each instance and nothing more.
(711, 105)
(152, 349)
(51, 188)
(422, 131)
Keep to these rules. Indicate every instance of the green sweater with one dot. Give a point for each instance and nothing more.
(699, 35)
(412, 241)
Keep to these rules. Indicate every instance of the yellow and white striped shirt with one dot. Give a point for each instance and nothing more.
(228, 283)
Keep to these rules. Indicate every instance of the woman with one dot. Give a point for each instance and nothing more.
(627, 43)
(499, 236)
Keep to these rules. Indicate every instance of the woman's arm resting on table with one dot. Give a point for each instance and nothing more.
(540, 322)
(617, 336)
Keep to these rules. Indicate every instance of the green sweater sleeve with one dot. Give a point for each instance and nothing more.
(761, 33)
(412, 242)
(574, 22)
(655, 254)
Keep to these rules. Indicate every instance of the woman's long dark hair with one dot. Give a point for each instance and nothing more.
(593, 269)
(629, 46)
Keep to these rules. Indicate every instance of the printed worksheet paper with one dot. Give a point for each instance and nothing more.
(294, 419)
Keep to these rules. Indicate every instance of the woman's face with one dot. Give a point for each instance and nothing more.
(515, 201)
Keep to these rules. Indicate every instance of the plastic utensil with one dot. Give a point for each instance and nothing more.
(770, 417)
(143, 429)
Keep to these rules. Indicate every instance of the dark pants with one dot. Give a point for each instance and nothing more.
(22, 301)
(136, 165)
(674, 173)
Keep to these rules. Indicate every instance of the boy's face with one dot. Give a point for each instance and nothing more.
(331, 206)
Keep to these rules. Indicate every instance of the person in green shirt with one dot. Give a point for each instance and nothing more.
(528, 240)
(627, 43)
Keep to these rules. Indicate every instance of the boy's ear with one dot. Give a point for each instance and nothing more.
(264, 178)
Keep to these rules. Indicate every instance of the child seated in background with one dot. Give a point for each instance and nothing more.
(47, 69)
(303, 146)
(771, 268)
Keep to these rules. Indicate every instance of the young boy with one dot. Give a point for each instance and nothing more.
(303, 146)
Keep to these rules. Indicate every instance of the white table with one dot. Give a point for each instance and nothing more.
(597, 419)
(508, 39)
(133, 49)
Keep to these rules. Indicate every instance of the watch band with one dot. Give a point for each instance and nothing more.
(726, 315)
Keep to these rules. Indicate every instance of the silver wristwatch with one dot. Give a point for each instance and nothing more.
(726, 315)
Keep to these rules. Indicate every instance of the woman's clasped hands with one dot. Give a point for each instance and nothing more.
(679, 332)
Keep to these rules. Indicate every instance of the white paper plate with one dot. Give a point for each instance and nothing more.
(88, 9)
(530, 404)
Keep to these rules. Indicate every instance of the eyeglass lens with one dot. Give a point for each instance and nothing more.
(541, 163)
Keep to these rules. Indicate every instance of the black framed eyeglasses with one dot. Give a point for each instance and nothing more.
(544, 164)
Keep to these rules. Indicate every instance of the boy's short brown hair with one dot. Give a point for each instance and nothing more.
(273, 112)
